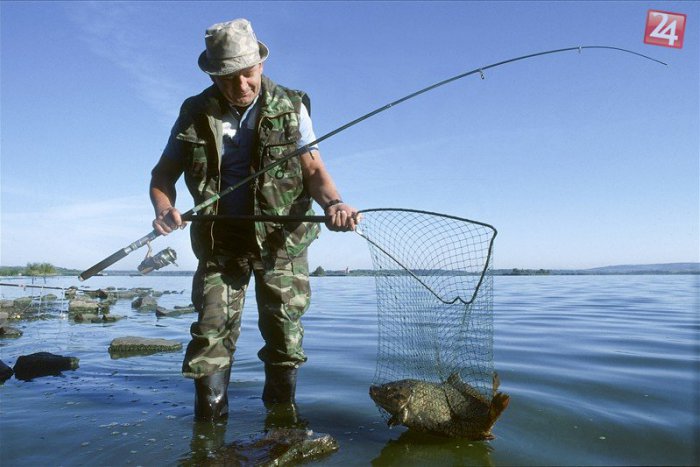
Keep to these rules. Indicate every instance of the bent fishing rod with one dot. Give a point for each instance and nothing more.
(189, 215)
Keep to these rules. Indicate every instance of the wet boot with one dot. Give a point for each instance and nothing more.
(211, 396)
(280, 384)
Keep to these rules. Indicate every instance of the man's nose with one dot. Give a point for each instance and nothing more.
(241, 83)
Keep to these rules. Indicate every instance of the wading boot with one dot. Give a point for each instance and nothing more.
(211, 396)
(280, 384)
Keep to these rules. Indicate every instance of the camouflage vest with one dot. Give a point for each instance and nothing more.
(279, 191)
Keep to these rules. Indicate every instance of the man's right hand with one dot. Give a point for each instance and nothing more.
(168, 220)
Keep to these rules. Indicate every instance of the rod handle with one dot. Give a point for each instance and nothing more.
(105, 263)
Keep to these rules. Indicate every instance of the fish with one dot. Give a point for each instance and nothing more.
(452, 408)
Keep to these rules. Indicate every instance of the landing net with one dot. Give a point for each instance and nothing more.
(434, 296)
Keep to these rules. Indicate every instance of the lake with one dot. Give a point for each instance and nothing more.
(601, 370)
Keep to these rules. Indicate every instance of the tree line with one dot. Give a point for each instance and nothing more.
(31, 269)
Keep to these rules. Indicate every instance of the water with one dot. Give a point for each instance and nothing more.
(601, 370)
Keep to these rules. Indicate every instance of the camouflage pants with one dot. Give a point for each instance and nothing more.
(282, 293)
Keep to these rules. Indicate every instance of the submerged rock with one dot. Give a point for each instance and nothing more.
(128, 346)
(5, 372)
(84, 305)
(99, 293)
(279, 446)
(162, 312)
(43, 364)
(9, 331)
(146, 303)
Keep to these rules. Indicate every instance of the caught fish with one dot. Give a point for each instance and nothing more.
(452, 408)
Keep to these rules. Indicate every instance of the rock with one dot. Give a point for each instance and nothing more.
(22, 303)
(39, 364)
(110, 318)
(146, 303)
(85, 317)
(122, 294)
(49, 298)
(162, 312)
(5, 372)
(4, 316)
(99, 293)
(83, 305)
(7, 304)
(278, 446)
(130, 346)
(8, 331)
(70, 292)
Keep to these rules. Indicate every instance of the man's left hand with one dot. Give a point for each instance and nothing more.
(343, 217)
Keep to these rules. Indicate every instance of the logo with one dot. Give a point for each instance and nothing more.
(665, 28)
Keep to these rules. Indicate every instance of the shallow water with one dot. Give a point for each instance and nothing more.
(601, 370)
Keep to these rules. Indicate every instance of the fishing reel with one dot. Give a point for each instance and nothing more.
(157, 261)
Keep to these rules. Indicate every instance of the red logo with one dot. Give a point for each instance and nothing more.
(665, 28)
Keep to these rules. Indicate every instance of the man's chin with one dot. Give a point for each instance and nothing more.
(242, 102)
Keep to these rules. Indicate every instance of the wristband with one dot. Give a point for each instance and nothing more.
(332, 203)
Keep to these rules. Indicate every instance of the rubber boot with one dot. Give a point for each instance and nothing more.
(211, 396)
(280, 384)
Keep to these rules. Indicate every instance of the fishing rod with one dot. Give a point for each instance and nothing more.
(119, 254)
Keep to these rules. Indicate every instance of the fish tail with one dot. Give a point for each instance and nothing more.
(498, 405)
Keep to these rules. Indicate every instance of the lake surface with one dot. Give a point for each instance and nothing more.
(601, 370)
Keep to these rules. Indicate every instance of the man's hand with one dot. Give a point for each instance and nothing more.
(343, 217)
(168, 220)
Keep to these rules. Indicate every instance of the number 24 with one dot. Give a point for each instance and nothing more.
(663, 31)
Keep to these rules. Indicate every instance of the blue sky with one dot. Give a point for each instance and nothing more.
(579, 160)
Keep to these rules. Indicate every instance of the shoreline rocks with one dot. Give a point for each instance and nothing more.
(146, 303)
(162, 312)
(5, 372)
(129, 346)
(28, 367)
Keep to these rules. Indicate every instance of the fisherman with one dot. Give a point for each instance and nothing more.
(237, 126)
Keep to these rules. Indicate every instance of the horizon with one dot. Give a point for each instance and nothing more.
(169, 270)
(577, 158)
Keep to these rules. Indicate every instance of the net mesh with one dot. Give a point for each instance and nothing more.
(434, 297)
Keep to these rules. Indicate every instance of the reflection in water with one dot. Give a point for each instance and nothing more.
(420, 449)
(207, 438)
(286, 437)
(284, 415)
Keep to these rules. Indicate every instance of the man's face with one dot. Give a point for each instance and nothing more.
(240, 88)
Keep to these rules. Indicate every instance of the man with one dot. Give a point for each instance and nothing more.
(240, 124)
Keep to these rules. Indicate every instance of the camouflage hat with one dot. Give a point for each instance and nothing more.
(231, 47)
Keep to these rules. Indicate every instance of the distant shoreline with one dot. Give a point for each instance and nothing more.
(626, 270)
(371, 273)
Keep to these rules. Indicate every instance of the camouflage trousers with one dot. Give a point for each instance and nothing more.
(282, 293)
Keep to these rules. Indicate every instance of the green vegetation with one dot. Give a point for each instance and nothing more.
(40, 269)
(319, 271)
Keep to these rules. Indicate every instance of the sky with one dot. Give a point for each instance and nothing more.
(578, 159)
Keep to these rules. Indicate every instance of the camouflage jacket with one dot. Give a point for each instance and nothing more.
(279, 191)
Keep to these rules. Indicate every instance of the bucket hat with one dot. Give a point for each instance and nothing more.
(231, 47)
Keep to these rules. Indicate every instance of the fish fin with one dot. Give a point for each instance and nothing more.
(498, 405)
(393, 421)
(496, 382)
